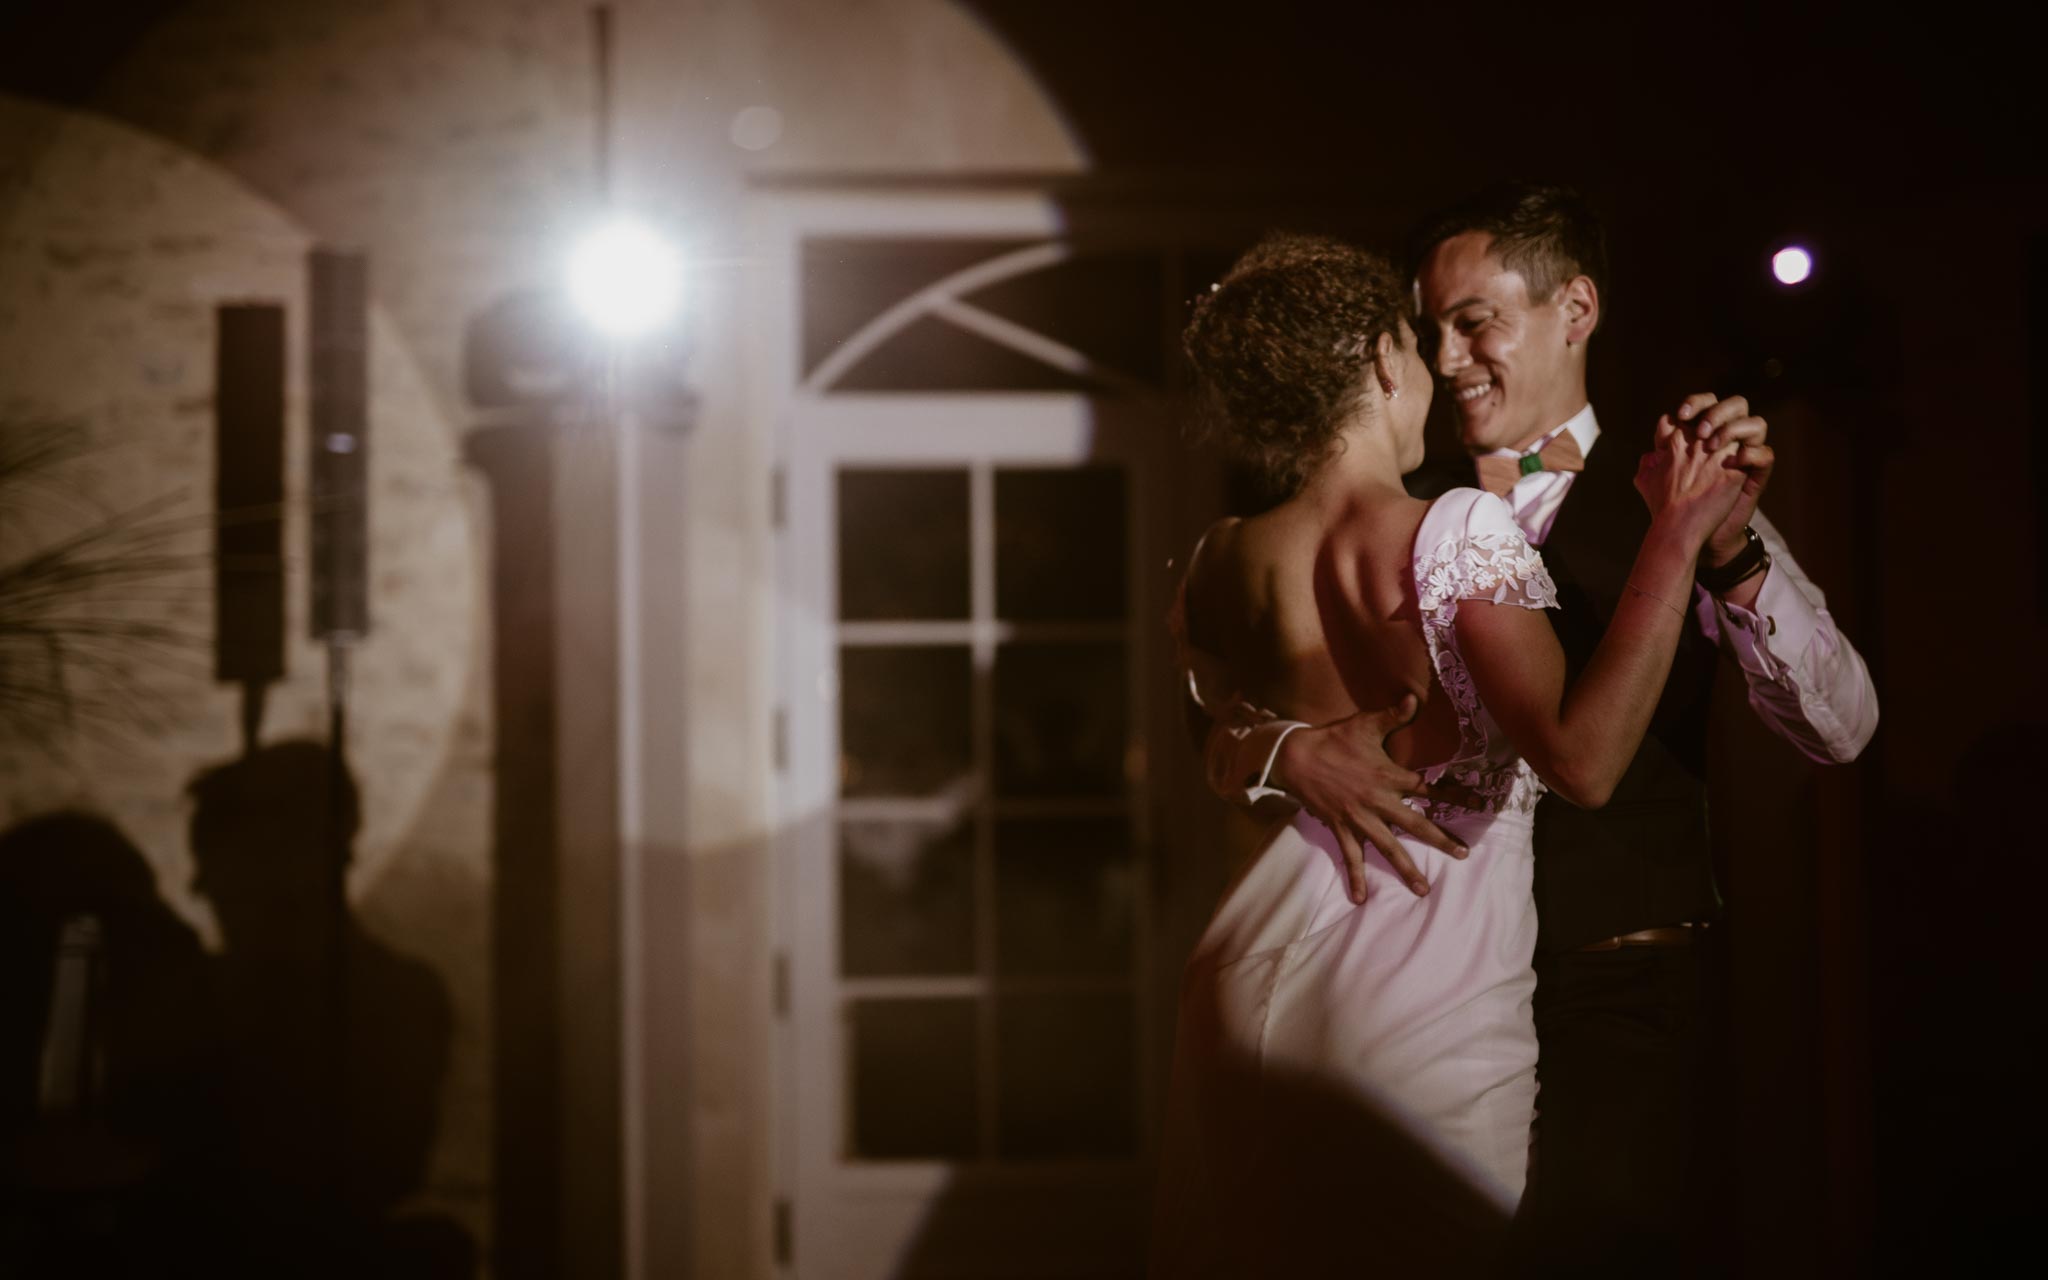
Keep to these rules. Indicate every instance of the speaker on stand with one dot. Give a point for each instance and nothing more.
(338, 458)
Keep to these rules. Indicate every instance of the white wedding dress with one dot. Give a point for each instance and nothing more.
(1335, 1057)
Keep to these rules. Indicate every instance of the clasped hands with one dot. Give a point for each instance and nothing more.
(1341, 772)
(1716, 422)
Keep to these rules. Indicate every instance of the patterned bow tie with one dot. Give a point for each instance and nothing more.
(1498, 474)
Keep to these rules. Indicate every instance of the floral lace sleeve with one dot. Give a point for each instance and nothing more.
(1469, 548)
(1485, 559)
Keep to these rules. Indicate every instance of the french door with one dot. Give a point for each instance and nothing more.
(969, 943)
(967, 617)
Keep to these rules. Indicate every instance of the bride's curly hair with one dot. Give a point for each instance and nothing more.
(1280, 349)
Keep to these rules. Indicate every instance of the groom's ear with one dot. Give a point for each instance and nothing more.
(1579, 300)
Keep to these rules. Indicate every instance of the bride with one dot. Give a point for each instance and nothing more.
(1341, 1063)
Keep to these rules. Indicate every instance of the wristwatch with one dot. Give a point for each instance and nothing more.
(1744, 565)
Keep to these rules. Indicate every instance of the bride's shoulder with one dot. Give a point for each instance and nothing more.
(1214, 554)
(1234, 563)
(1238, 542)
(1218, 543)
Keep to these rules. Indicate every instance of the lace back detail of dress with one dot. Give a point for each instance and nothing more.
(1469, 548)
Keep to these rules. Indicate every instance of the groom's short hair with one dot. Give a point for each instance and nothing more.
(1548, 234)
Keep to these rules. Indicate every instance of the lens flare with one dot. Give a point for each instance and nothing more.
(625, 279)
(1791, 265)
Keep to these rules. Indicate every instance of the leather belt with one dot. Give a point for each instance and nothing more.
(1675, 935)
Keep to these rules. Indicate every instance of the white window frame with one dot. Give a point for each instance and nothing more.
(853, 1218)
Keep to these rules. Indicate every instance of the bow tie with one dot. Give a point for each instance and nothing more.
(1498, 474)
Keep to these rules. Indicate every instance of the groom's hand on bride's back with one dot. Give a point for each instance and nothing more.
(1343, 776)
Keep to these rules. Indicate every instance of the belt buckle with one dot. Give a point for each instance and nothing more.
(1671, 938)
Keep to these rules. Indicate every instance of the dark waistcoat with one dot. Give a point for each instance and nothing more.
(1643, 860)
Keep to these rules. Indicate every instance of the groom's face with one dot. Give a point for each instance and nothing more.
(1502, 356)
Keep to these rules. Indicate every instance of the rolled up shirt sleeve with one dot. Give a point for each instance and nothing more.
(1806, 681)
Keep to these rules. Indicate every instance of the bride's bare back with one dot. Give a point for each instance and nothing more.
(1312, 608)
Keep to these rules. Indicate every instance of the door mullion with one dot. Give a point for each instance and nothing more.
(982, 579)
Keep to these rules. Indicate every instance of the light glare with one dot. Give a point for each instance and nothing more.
(625, 279)
(1792, 265)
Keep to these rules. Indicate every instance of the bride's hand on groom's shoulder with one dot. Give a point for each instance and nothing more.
(1343, 776)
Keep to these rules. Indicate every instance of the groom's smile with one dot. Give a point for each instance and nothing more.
(1478, 399)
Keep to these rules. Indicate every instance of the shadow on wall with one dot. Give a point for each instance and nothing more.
(262, 1112)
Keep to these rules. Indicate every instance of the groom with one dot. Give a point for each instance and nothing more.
(1509, 286)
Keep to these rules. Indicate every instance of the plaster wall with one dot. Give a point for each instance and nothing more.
(452, 142)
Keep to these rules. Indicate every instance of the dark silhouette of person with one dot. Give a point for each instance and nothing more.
(339, 1045)
(109, 1059)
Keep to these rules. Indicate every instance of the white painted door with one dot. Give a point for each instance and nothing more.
(965, 623)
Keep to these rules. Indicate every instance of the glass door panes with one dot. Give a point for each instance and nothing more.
(1060, 544)
(915, 1064)
(906, 890)
(912, 530)
(1102, 303)
(904, 727)
(1060, 719)
(988, 936)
